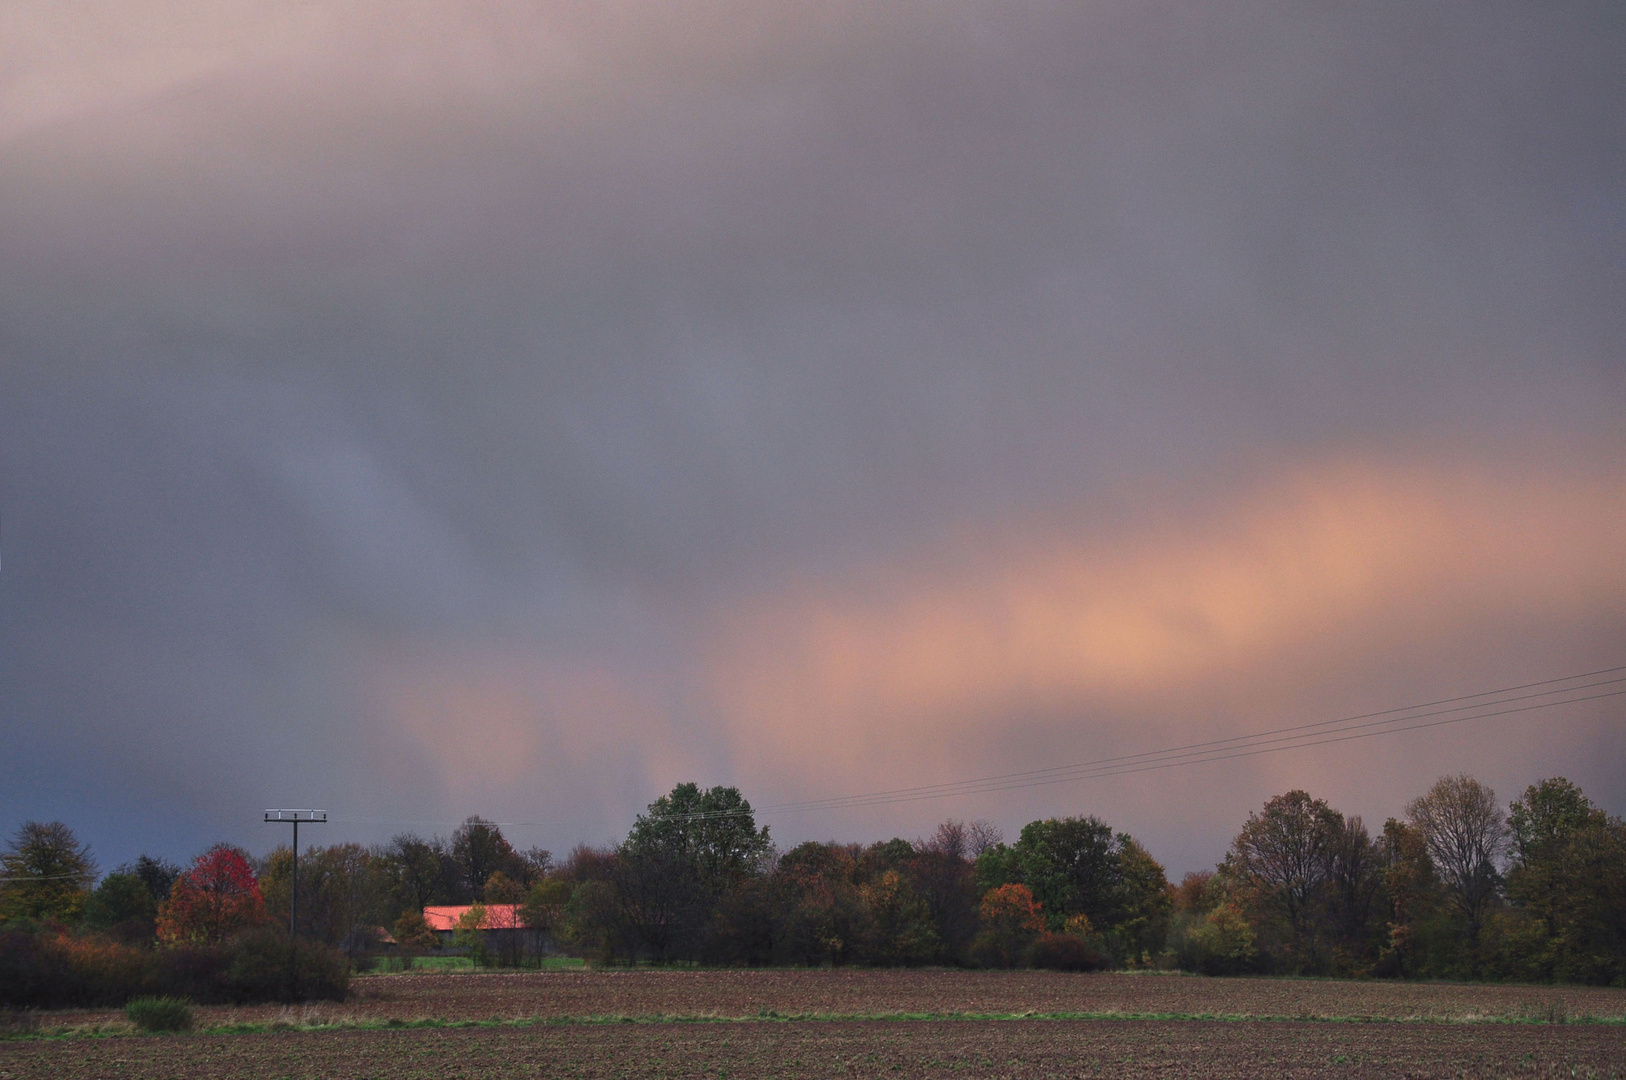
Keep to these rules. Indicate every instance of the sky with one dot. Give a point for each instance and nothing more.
(424, 409)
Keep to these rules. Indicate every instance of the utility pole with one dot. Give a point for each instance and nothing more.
(294, 817)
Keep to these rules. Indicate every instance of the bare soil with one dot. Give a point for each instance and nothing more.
(817, 1049)
(878, 993)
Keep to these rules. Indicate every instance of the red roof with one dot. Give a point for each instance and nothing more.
(498, 916)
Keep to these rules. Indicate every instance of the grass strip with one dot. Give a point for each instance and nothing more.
(772, 1017)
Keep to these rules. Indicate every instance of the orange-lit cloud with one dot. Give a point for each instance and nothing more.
(893, 673)
(527, 737)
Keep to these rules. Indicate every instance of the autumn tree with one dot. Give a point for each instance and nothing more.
(480, 850)
(343, 893)
(1011, 918)
(825, 920)
(413, 936)
(944, 877)
(1354, 881)
(1284, 857)
(213, 900)
(1079, 866)
(411, 869)
(1467, 834)
(1410, 889)
(902, 921)
(45, 873)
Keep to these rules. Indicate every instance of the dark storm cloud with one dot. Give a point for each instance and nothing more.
(383, 385)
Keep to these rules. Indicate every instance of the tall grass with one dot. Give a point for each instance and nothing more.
(160, 1013)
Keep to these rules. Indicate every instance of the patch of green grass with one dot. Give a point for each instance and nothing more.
(391, 965)
(151, 1014)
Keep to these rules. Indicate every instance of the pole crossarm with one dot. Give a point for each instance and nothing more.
(296, 816)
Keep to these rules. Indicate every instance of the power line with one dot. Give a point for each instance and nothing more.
(1197, 753)
(9, 878)
(1480, 706)
(1135, 767)
(1398, 715)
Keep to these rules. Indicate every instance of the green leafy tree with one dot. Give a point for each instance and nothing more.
(1142, 905)
(1072, 867)
(1354, 881)
(45, 873)
(712, 831)
(944, 877)
(470, 934)
(682, 854)
(1079, 866)
(123, 907)
(157, 874)
(542, 912)
(1567, 885)
(1222, 942)
(1546, 817)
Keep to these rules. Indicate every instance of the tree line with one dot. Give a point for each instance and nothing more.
(1455, 887)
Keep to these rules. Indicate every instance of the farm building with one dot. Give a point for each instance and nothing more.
(499, 919)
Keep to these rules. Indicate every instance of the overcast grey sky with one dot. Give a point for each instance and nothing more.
(425, 409)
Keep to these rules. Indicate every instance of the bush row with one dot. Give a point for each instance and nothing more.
(45, 969)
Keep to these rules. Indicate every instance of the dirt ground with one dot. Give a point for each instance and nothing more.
(866, 993)
(818, 1049)
(864, 1023)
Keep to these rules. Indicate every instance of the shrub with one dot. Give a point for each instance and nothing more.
(52, 970)
(16, 1022)
(1065, 952)
(105, 972)
(1219, 943)
(258, 967)
(159, 1013)
(197, 972)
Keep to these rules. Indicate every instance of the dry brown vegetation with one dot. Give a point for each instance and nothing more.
(1034, 1048)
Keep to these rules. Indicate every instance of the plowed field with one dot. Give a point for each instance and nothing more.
(864, 993)
(961, 1049)
(864, 1023)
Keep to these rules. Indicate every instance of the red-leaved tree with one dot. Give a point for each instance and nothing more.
(213, 900)
(1010, 918)
(1012, 909)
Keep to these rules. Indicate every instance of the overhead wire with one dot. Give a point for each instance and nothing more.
(1488, 704)
(1196, 753)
